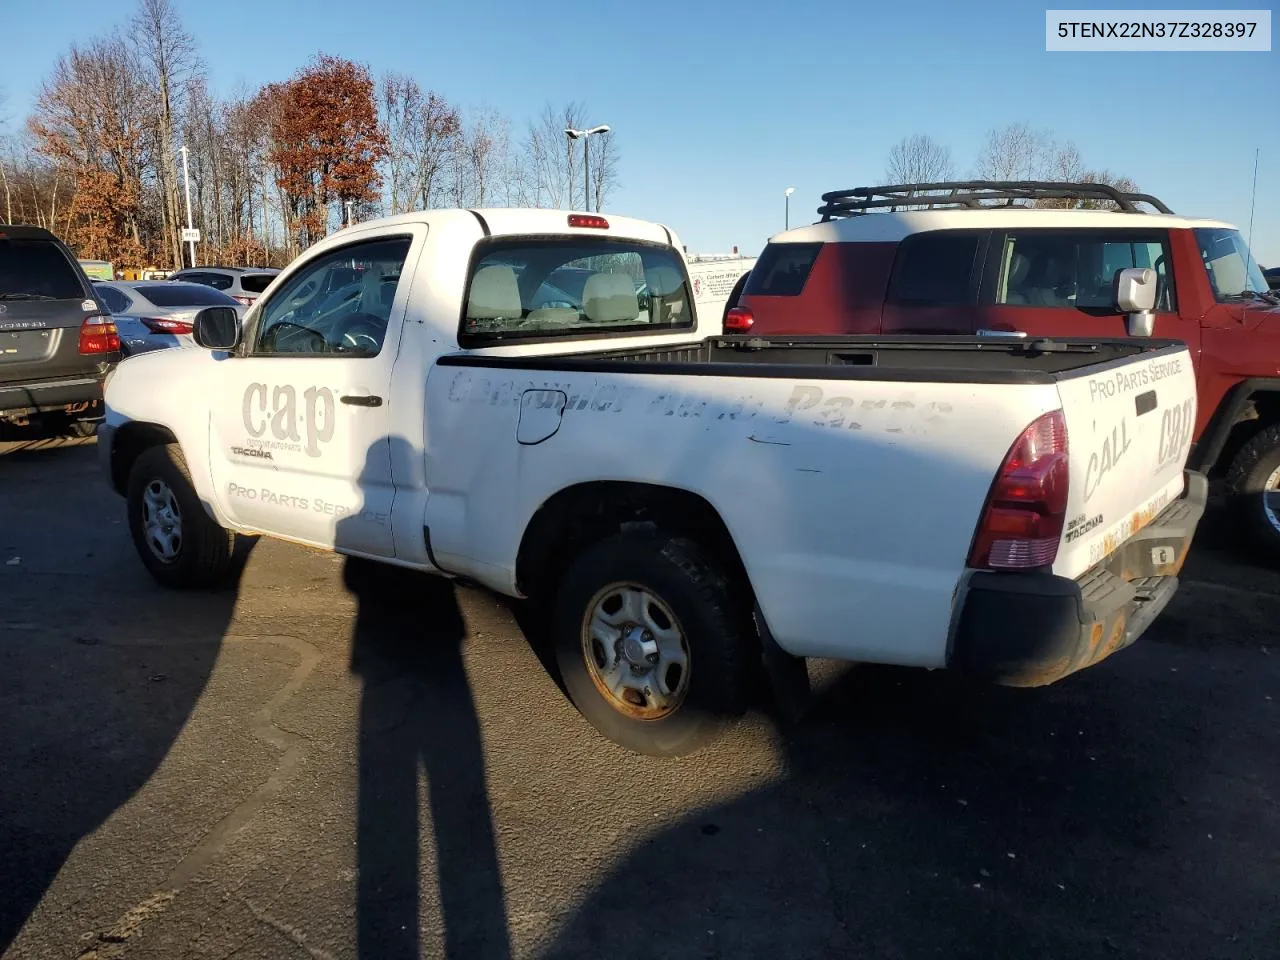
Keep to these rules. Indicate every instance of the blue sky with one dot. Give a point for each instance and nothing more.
(719, 107)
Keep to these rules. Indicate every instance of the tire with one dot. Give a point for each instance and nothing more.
(1246, 482)
(202, 554)
(692, 597)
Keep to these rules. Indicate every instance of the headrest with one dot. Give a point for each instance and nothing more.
(663, 281)
(495, 294)
(1019, 267)
(610, 298)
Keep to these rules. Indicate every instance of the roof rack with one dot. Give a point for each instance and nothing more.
(973, 194)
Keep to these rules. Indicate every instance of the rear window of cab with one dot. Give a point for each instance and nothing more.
(551, 288)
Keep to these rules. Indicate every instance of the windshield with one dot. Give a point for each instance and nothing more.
(1231, 267)
(178, 294)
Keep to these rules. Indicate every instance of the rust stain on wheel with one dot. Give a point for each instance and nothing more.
(636, 651)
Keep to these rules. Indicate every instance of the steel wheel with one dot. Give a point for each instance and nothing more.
(635, 651)
(162, 521)
(1271, 499)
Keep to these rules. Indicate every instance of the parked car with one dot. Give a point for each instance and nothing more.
(244, 284)
(936, 259)
(57, 339)
(1272, 276)
(686, 504)
(153, 315)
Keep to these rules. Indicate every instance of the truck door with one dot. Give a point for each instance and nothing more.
(301, 431)
(1059, 283)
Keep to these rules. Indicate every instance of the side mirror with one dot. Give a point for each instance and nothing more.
(217, 328)
(1136, 289)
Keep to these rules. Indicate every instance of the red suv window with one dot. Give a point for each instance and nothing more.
(782, 270)
(936, 268)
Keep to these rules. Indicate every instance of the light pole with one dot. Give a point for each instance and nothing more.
(585, 136)
(347, 203)
(186, 181)
(787, 197)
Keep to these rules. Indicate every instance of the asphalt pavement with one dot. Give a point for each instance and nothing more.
(334, 760)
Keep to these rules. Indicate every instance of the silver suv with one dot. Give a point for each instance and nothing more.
(244, 284)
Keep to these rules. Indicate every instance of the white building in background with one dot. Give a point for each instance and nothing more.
(715, 277)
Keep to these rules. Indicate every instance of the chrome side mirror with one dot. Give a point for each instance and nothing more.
(1135, 294)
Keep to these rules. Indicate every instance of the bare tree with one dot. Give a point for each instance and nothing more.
(1015, 152)
(5, 150)
(420, 128)
(918, 159)
(1123, 184)
(553, 160)
(398, 107)
(171, 60)
(604, 166)
(484, 147)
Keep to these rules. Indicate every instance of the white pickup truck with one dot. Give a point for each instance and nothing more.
(447, 391)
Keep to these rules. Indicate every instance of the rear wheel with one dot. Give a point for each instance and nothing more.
(179, 544)
(647, 644)
(1253, 482)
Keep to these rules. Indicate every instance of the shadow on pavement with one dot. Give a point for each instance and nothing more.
(921, 817)
(92, 695)
(418, 723)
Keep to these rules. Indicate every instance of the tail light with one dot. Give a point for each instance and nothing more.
(1022, 520)
(98, 334)
(588, 220)
(245, 301)
(740, 319)
(163, 325)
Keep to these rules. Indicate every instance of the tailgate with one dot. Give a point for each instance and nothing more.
(40, 339)
(1129, 427)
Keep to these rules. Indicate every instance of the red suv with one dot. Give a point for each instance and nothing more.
(1037, 259)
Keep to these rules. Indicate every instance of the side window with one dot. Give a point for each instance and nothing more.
(338, 304)
(934, 269)
(1076, 269)
(574, 288)
(193, 276)
(782, 270)
(219, 281)
(116, 301)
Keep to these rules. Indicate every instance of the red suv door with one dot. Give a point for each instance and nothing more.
(1060, 283)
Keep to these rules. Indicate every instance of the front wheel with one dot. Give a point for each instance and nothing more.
(648, 646)
(1253, 482)
(179, 544)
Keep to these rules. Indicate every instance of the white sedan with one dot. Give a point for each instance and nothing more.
(154, 315)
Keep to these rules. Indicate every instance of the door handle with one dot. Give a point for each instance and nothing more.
(1002, 333)
(358, 401)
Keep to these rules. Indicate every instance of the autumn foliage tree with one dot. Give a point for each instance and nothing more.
(91, 118)
(97, 160)
(326, 142)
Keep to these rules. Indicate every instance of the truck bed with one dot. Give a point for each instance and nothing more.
(922, 358)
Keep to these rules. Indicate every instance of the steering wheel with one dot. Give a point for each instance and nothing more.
(360, 332)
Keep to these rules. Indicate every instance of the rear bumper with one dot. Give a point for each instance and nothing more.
(67, 394)
(1032, 629)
